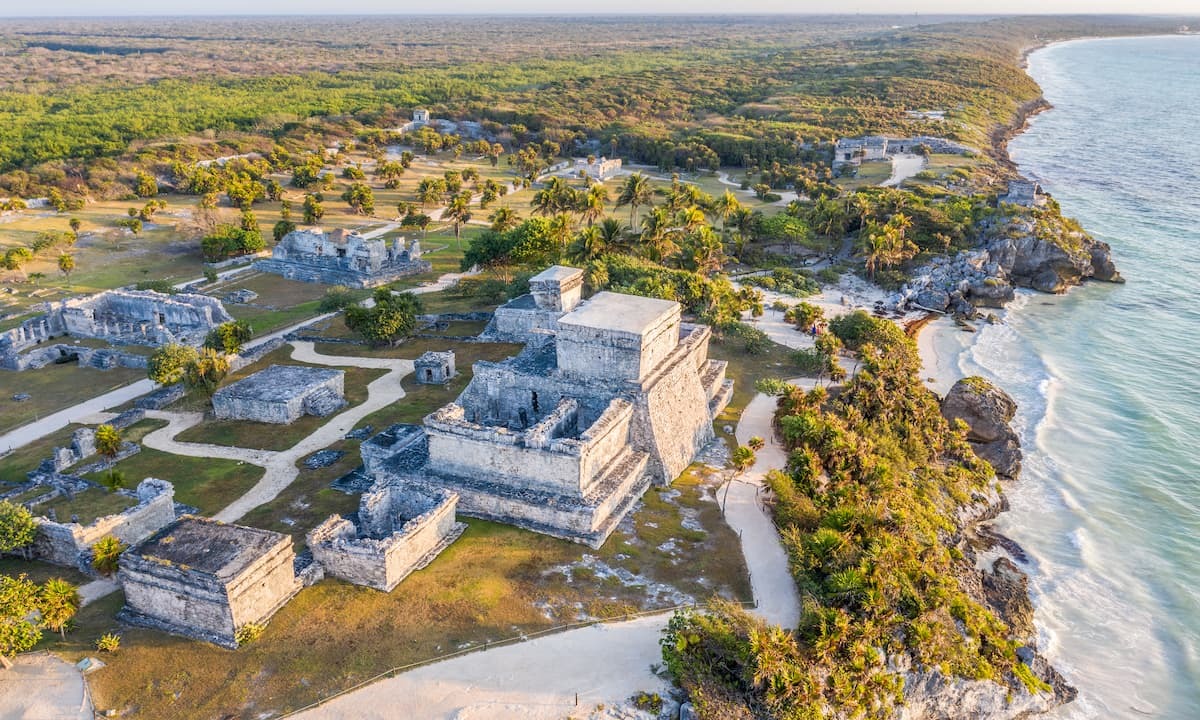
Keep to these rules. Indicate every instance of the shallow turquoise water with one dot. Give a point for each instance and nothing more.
(1108, 379)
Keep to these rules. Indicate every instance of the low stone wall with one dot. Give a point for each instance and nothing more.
(70, 544)
(99, 358)
(160, 398)
(401, 530)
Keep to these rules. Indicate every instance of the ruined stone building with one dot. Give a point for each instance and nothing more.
(435, 368)
(398, 530)
(343, 257)
(205, 579)
(599, 168)
(617, 392)
(1025, 193)
(121, 317)
(282, 394)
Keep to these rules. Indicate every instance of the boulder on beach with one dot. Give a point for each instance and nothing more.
(987, 411)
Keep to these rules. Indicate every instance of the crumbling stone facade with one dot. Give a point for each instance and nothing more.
(122, 317)
(281, 394)
(70, 544)
(552, 292)
(205, 579)
(435, 368)
(563, 438)
(399, 530)
(341, 257)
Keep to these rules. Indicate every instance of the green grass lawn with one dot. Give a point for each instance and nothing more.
(54, 388)
(206, 483)
(15, 465)
(87, 506)
(869, 173)
(39, 571)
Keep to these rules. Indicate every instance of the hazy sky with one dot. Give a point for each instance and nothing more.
(193, 7)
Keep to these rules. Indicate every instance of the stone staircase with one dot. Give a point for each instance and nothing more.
(324, 401)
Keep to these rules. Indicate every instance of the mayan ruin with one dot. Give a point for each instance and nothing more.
(340, 257)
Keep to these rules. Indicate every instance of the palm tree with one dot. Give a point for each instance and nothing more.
(504, 219)
(459, 214)
(59, 602)
(560, 230)
(703, 252)
(635, 192)
(613, 233)
(726, 206)
(594, 201)
(589, 244)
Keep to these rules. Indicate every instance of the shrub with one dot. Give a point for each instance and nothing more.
(114, 479)
(17, 528)
(338, 297)
(229, 337)
(248, 633)
(650, 702)
(159, 286)
(210, 276)
(108, 642)
(105, 554)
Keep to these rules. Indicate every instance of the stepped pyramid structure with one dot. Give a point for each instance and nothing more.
(609, 395)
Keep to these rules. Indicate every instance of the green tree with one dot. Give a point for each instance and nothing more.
(17, 528)
(459, 214)
(314, 209)
(229, 337)
(144, 185)
(503, 219)
(66, 265)
(281, 229)
(392, 317)
(361, 198)
(742, 458)
(206, 372)
(635, 192)
(249, 221)
(168, 363)
(58, 602)
(106, 553)
(15, 257)
(108, 441)
(20, 626)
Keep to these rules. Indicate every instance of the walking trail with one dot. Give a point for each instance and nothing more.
(904, 167)
(280, 466)
(570, 674)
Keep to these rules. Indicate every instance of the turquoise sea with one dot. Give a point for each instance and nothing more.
(1108, 380)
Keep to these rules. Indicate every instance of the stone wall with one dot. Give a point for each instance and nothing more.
(401, 530)
(343, 258)
(281, 394)
(70, 544)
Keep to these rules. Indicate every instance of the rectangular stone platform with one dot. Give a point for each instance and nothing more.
(281, 394)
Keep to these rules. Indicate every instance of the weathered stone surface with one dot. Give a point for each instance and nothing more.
(985, 408)
(70, 544)
(323, 458)
(341, 257)
(563, 438)
(205, 579)
(435, 368)
(1006, 589)
(399, 530)
(281, 394)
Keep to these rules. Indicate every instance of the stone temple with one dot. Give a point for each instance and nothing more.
(205, 579)
(343, 257)
(121, 317)
(566, 436)
(435, 368)
(281, 394)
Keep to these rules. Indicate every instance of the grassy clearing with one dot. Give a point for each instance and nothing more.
(744, 369)
(208, 484)
(869, 173)
(86, 506)
(39, 571)
(494, 583)
(54, 388)
(15, 465)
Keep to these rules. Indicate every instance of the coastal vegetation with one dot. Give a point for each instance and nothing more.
(867, 510)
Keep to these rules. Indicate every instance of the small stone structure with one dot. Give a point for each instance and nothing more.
(70, 544)
(435, 368)
(1025, 193)
(342, 257)
(121, 317)
(565, 437)
(281, 394)
(205, 579)
(399, 530)
(599, 168)
(854, 151)
(552, 292)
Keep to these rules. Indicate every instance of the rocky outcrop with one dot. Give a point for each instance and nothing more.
(930, 694)
(987, 411)
(1033, 247)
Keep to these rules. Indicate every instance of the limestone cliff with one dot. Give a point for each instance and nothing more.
(1035, 686)
(1030, 247)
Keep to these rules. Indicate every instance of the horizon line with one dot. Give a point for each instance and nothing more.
(630, 14)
